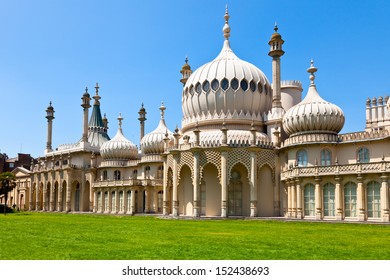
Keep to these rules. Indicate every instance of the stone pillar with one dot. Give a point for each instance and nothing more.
(117, 202)
(293, 201)
(196, 185)
(224, 155)
(37, 196)
(132, 203)
(299, 199)
(147, 200)
(68, 197)
(175, 202)
(253, 184)
(155, 200)
(289, 200)
(385, 198)
(165, 187)
(30, 197)
(361, 199)
(51, 197)
(338, 199)
(95, 208)
(318, 198)
(44, 208)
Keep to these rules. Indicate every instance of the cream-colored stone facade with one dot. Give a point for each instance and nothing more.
(246, 148)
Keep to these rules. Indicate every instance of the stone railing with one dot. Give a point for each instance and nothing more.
(357, 168)
(217, 144)
(363, 135)
(127, 183)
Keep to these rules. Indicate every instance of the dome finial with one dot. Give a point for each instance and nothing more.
(276, 27)
(226, 27)
(120, 118)
(162, 109)
(312, 70)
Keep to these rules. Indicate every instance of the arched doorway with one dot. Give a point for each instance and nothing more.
(212, 190)
(55, 197)
(238, 191)
(185, 192)
(265, 192)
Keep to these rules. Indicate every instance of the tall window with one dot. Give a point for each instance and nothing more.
(128, 201)
(350, 198)
(329, 200)
(309, 200)
(117, 175)
(106, 205)
(302, 158)
(363, 155)
(113, 202)
(373, 200)
(147, 172)
(160, 171)
(105, 177)
(135, 174)
(99, 202)
(326, 157)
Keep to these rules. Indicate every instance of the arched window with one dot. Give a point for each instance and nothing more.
(99, 202)
(350, 199)
(135, 174)
(106, 204)
(105, 177)
(309, 200)
(363, 155)
(329, 200)
(160, 172)
(128, 201)
(302, 158)
(147, 172)
(117, 175)
(326, 157)
(373, 200)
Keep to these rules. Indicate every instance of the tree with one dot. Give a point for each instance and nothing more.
(7, 183)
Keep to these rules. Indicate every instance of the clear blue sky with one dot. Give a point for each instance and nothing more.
(51, 50)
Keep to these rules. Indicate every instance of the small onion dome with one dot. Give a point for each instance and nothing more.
(313, 114)
(153, 142)
(119, 148)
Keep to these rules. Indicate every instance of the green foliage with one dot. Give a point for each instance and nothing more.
(96, 237)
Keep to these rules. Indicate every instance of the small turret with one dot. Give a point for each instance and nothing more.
(186, 72)
(142, 119)
(86, 105)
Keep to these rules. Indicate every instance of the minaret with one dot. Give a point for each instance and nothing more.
(186, 72)
(276, 52)
(105, 122)
(86, 105)
(49, 117)
(142, 119)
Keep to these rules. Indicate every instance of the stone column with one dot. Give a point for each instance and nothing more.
(318, 199)
(155, 200)
(289, 200)
(253, 184)
(132, 203)
(147, 200)
(125, 210)
(30, 197)
(338, 199)
(196, 188)
(175, 202)
(361, 199)
(224, 155)
(117, 201)
(68, 197)
(165, 187)
(299, 199)
(293, 201)
(95, 208)
(385, 198)
(44, 208)
(51, 197)
(37, 195)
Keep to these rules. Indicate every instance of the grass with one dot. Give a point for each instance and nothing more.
(51, 236)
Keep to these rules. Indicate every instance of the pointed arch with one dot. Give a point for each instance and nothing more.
(211, 197)
(265, 191)
(185, 191)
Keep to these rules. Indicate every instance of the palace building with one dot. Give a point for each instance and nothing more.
(246, 147)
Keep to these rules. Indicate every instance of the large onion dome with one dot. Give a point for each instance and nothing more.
(313, 114)
(119, 148)
(225, 89)
(153, 142)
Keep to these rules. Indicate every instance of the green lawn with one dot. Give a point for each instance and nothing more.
(47, 236)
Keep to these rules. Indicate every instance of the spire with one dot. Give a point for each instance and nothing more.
(142, 119)
(120, 119)
(162, 109)
(226, 27)
(312, 70)
(97, 97)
